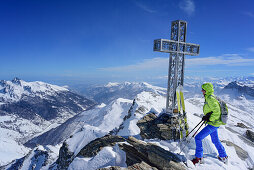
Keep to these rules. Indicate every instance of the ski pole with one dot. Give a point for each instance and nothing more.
(193, 129)
(192, 136)
(190, 132)
(198, 129)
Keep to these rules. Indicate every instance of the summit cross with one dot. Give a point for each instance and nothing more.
(178, 48)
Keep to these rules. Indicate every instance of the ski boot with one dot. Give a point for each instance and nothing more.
(223, 159)
(197, 160)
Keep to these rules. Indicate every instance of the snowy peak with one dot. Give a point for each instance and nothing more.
(134, 86)
(110, 84)
(16, 80)
(241, 88)
(15, 89)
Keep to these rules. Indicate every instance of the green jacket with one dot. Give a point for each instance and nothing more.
(211, 104)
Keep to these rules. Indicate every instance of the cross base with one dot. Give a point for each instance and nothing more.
(178, 127)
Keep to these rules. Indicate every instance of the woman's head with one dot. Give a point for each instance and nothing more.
(207, 88)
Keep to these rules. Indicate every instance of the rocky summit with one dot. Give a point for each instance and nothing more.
(162, 127)
(138, 154)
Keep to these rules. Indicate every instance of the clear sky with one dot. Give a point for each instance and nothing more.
(112, 40)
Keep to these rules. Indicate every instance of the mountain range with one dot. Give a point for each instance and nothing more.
(121, 106)
(30, 108)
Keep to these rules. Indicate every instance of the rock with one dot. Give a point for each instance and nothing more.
(242, 125)
(152, 154)
(112, 168)
(137, 166)
(96, 145)
(65, 157)
(242, 154)
(164, 127)
(250, 135)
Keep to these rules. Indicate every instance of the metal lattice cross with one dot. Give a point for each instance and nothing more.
(178, 48)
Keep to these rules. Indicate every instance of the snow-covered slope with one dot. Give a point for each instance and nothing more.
(97, 118)
(28, 109)
(146, 102)
(14, 90)
(120, 117)
(98, 122)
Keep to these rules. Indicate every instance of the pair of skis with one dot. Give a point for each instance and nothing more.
(181, 110)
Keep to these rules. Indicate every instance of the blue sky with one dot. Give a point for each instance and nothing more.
(112, 40)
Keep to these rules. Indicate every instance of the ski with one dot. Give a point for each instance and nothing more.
(184, 112)
(181, 110)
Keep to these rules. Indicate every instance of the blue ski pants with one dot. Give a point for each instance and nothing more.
(213, 132)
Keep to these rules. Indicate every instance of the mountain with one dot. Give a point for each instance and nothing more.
(93, 117)
(241, 88)
(37, 99)
(30, 108)
(120, 117)
(111, 91)
(84, 133)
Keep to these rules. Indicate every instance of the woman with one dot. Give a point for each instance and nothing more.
(212, 114)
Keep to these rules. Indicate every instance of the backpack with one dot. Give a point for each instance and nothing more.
(223, 109)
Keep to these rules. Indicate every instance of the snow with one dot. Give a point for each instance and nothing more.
(14, 131)
(115, 115)
(147, 102)
(101, 105)
(14, 91)
(10, 150)
(98, 122)
(108, 156)
(105, 118)
(110, 84)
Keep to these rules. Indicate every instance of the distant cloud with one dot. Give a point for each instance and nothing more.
(226, 59)
(144, 7)
(162, 63)
(251, 49)
(250, 14)
(147, 64)
(187, 6)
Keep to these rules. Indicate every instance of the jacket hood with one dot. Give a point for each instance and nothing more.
(208, 87)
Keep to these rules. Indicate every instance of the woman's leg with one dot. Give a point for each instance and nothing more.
(217, 143)
(198, 139)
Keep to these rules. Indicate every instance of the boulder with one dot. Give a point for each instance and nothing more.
(140, 166)
(241, 125)
(250, 135)
(152, 154)
(91, 149)
(164, 127)
(139, 154)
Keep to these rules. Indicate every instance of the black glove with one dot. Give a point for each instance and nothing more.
(206, 117)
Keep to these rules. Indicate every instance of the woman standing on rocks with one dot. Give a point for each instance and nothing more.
(212, 114)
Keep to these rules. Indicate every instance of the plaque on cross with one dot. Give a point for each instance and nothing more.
(178, 48)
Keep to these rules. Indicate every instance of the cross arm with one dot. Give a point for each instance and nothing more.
(171, 46)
